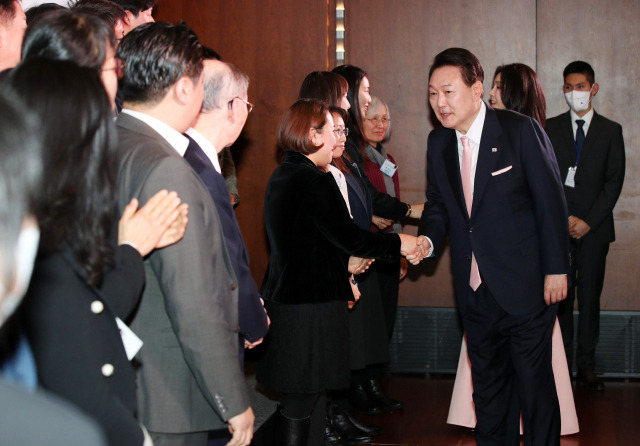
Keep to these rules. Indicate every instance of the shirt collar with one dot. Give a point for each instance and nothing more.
(206, 147)
(475, 131)
(586, 118)
(175, 139)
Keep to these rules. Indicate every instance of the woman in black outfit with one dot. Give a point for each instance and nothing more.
(305, 288)
(342, 425)
(365, 394)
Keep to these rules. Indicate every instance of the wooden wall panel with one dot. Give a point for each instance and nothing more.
(276, 42)
(606, 35)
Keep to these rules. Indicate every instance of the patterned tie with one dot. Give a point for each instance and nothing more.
(579, 136)
(465, 172)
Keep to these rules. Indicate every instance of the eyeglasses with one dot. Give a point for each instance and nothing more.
(341, 131)
(249, 104)
(118, 67)
(376, 121)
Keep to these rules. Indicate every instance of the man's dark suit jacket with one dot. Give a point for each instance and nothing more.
(518, 224)
(251, 316)
(600, 173)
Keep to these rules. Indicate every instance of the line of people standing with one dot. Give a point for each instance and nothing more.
(197, 286)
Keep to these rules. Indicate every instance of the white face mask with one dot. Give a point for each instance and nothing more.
(25, 256)
(578, 100)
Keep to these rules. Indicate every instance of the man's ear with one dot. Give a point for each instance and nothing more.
(594, 89)
(129, 18)
(231, 110)
(478, 90)
(183, 89)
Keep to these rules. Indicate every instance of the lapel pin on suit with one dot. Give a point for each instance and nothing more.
(494, 149)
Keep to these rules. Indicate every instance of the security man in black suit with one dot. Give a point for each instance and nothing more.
(590, 153)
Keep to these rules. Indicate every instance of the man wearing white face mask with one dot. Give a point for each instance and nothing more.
(590, 153)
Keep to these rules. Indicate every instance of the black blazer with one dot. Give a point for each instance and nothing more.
(600, 173)
(251, 316)
(518, 224)
(312, 235)
(359, 198)
(75, 340)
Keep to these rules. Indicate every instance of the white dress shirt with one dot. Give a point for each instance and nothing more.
(342, 185)
(587, 122)
(175, 139)
(474, 134)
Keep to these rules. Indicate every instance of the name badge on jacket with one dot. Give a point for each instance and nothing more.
(132, 343)
(388, 168)
(571, 175)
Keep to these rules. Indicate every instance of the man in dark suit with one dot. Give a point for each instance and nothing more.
(224, 112)
(190, 381)
(590, 153)
(493, 185)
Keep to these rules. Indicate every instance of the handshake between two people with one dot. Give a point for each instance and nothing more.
(414, 248)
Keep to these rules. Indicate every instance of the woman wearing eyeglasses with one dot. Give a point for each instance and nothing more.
(311, 235)
(381, 170)
(365, 394)
(368, 342)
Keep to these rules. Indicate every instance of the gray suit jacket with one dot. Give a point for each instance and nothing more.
(189, 379)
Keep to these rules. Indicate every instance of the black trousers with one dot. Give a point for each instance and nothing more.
(512, 373)
(389, 281)
(589, 257)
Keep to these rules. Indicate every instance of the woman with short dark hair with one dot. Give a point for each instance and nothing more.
(305, 289)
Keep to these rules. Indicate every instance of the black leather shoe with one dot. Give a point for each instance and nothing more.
(348, 431)
(374, 392)
(331, 437)
(360, 401)
(588, 379)
(366, 428)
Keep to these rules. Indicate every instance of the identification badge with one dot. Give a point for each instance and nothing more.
(132, 343)
(571, 175)
(388, 168)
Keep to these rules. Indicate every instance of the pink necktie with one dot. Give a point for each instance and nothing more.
(465, 172)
